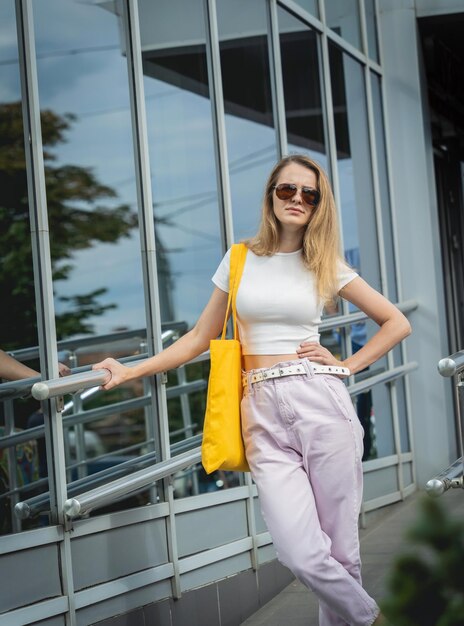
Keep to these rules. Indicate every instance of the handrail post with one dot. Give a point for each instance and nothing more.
(453, 477)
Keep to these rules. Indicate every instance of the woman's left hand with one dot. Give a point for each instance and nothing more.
(315, 352)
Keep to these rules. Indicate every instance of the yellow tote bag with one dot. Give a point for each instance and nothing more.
(222, 445)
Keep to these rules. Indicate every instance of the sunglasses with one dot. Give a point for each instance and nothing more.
(285, 191)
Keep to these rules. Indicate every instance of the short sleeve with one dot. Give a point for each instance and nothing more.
(345, 274)
(221, 276)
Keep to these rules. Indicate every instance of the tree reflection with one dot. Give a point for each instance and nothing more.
(80, 213)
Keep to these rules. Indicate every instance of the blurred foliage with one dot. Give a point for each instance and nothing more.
(81, 212)
(426, 586)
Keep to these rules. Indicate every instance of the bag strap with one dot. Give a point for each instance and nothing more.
(237, 263)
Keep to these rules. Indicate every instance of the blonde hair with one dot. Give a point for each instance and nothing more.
(321, 241)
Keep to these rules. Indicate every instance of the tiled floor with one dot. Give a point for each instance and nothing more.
(380, 543)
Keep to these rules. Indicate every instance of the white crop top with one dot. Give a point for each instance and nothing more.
(277, 302)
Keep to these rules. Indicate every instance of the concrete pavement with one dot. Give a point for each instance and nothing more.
(381, 541)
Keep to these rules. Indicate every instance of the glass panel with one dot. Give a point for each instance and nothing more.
(186, 211)
(374, 411)
(356, 190)
(84, 94)
(371, 24)
(385, 199)
(310, 6)
(304, 110)
(383, 186)
(359, 232)
(304, 113)
(20, 468)
(333, 341)
(402, 415)
(251, 140)
(342, 16)
(94, 236)
(354, 166)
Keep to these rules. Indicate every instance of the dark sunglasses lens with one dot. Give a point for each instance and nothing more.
(285, 192)
(311, 196)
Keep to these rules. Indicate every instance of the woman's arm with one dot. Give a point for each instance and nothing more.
(186, 348)
(393, 328)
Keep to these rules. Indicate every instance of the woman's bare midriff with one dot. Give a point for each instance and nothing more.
(256, 361)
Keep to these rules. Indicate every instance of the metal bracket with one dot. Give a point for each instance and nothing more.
(164, 378)
(59, 403)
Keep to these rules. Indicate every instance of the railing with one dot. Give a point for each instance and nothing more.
(452, 477)
(139, 473)
(75, 417)
(142, 479)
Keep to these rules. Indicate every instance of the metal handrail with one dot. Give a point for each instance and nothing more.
(22, 388)
(26, 354)
(40, 503)
(359, 316)
(82, 417)
(451, 365)
(451, 478)
(385, 377)
(17, 389)
(70, 384)
(122, 486)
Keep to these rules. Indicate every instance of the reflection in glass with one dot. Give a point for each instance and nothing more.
(354, 166)
(383, 186)
(251, 141)
(383, 443)
(342, 16)
(18, 327)
(94, 238)
(299, 50)
(20, 467)
(186, 212)
(359, 227)
(371, 25)
(91, 196)
(402, 415)
(181, 146)
(310, 5)
(332, 340)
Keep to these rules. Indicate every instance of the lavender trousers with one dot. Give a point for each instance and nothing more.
(303, 443)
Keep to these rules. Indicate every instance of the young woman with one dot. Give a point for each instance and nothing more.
(302, 437)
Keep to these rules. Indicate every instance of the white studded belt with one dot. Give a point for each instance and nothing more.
(292, 370)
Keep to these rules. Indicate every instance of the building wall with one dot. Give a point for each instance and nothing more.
(415, 210)
(175, 129)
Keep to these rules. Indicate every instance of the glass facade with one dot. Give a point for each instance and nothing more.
(91, 110)
(249, 118)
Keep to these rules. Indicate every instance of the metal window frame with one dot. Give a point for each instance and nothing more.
(156, 383)
(380, 238)
(368, 65)
(35, 168)
(213, 61)
(394, 227)
(277, 85)
(44, 284)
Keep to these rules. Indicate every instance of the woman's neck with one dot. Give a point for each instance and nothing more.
(290, 242)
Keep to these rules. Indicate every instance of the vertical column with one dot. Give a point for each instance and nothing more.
(332, 151)
(213, 60)
(380, 239)
(391, 191)
(43, 284)
(277, 87)
(148, 251)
